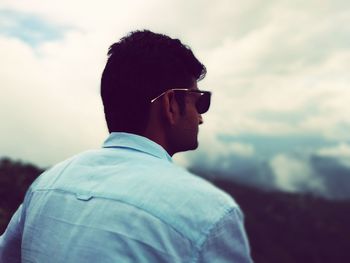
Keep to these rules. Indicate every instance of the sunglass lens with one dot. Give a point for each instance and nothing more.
(203, 103)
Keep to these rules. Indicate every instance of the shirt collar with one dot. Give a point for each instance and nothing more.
(136, 142)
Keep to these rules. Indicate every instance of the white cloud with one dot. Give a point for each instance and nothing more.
(292, 174)
(289, 57)
(341, 152)
(214, 154)
(47, 113)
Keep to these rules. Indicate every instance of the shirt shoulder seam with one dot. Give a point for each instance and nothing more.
(203, 239)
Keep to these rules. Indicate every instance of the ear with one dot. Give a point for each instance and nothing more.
(170, 107)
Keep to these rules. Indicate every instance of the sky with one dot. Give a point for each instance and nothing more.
(278, 70)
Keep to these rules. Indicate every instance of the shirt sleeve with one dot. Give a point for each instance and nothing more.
(227, 241)
(10, 241)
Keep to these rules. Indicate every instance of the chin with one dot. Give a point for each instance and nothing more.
(187, 147)
(194, 146)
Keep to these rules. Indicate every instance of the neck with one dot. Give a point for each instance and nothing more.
(158, 137)
(157, 133)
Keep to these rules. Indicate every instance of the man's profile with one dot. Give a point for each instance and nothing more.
(128, 202)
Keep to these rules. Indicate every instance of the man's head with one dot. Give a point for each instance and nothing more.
(140, 67)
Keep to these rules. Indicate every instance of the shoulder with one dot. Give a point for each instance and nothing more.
(189, 203)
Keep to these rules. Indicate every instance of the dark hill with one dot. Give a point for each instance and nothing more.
(294, 228)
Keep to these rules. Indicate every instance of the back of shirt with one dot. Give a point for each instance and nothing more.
(126, 203)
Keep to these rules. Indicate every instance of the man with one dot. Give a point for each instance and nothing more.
(128, 202)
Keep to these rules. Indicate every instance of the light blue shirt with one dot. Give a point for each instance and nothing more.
(126, 202)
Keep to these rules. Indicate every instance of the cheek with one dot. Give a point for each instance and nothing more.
(192, 119)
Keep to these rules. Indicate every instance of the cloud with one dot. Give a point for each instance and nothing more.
(232, 159)
(43, 120)
(294, 174)
(278, 70)
(297, 165)
(215, 155)
(292, 65)
(334, 173)
(341, 152)
(28, 28)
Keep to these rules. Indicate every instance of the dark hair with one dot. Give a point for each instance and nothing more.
(140, 67)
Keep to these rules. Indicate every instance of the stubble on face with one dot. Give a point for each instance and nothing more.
(186, 137)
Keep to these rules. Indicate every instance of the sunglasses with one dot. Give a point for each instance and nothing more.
(202, 103)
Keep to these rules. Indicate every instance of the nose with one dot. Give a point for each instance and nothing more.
(200, 119)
